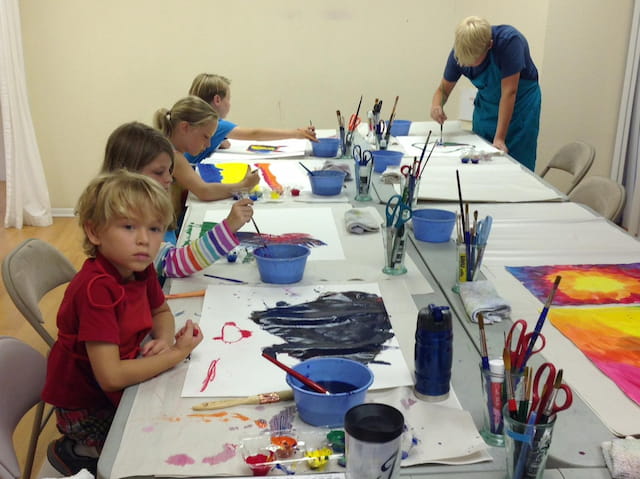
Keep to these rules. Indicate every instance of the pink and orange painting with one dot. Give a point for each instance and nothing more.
(583, 284)
(609, 337)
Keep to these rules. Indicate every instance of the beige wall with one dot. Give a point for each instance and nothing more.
(93, 65)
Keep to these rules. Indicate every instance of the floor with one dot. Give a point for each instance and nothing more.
(65, 235)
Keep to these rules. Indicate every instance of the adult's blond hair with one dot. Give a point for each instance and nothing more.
(192, 109)
(121, 194)
(472, 40)
(208, 85)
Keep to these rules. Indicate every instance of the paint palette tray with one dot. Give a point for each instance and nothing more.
(293, 451)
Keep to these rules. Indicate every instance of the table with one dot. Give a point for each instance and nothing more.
(573, 449)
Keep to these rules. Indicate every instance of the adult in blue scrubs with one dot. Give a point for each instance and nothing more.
(497, 61)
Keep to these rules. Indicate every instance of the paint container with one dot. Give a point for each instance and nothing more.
(384, 158)
(347, 380)
(433, 225)
(325, 147)
(373, 441)
(400, 127)
(281, 263)
(433, 353)
(327, 182)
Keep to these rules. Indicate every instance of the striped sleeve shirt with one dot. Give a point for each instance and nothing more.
(178, 262)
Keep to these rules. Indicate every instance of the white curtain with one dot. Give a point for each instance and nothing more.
(27, 198)
(625, 168)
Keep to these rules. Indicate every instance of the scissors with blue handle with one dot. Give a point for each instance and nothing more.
(518, 349)
(484, 228)
(545, 392)
(397, 211)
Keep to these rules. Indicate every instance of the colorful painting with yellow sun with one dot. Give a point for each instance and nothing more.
(609, 337)
(583, 283)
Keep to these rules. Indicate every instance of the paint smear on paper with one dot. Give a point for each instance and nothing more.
(231, 333)
(610, 338)
(211, 374)
(583, 283)
(350, 324)
(269, 177)
(228, 452)
(180, 460)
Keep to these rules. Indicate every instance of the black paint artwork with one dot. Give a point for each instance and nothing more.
(350, 324)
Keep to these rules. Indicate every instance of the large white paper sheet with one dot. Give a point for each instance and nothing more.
(179, 442)
(316, 222)
(229, 361)
(272, 149)
(287, 173)
(364, 254)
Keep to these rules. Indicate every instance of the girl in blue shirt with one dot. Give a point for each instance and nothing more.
(215, 90)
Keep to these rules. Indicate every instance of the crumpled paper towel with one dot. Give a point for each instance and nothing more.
(480, 297)
(622, 457)
(360, 221)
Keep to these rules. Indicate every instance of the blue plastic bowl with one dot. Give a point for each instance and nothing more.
(281, 263)
(320, 409)
(433, 225)
(384, 158)
(327, 182)
(325, 147)
(400, 127)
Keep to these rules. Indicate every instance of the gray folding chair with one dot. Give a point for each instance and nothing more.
(602, 195)
(22, 376)
(574, 158)
(29, 272)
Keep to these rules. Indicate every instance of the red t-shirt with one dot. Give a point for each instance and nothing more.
(98, 306)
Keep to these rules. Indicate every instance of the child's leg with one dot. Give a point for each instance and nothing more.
(84, 433)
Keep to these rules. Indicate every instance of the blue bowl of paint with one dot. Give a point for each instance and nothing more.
(400, 127)
(325, 147)
(327, 182)
(384, 158)
(281, 263)
(346, 380)
(433, 225)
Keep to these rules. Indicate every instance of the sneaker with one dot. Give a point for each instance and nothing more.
(62, 456)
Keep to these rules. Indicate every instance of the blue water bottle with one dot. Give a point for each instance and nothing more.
(433, 353)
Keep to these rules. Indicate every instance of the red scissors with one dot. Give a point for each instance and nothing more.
(518, 350)
(545, 393)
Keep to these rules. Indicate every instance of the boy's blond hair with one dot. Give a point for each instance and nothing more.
(121, 194)
(192, 109)
(473, 39)
(208, 85)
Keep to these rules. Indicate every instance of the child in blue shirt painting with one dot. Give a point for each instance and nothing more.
(215, 90)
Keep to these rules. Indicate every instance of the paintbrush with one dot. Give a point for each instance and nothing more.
(483, 343)
(391, 117)
(540, 323)
(307, 169)
(300, 377)
(264, 241)
(190, 294)
(265, 398)
(511, 400)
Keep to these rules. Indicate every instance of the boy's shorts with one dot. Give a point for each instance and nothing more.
(84, 426)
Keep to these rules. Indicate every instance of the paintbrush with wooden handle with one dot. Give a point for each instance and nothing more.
(265, 398)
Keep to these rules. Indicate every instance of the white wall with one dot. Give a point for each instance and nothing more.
(93, 65)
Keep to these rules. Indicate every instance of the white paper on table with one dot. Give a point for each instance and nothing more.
(235, 351)
(180, 442)
(316, 222)
(285, 148)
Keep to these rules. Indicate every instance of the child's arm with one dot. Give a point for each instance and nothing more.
(115, 374)
(265, 134)
(178, 262)
(162, 332)
(186, 177)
